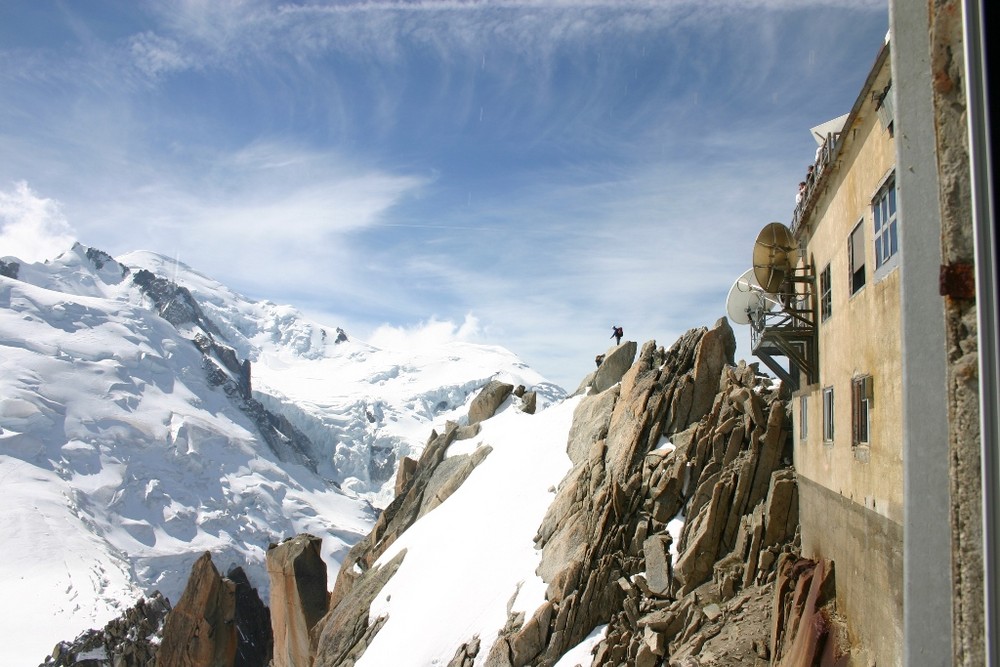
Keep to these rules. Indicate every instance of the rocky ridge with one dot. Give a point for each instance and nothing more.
(678, 433)
(217, 621)
(680, 437)
(344, 633)
(683, 434)
(220, 362)
(131, 640)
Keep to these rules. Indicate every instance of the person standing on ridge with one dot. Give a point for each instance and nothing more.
(617, 332)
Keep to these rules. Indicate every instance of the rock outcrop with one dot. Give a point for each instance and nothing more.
(404, 473)
(217, 620)
(255, 641)
(223, 367)
(488, 400)
(529, 402)
(131, 640)
(9, 269)
(420, 487)
(298, 597)
(174, 303)
(201, 630)
(345, 632)
(100, 259)
(529, 399)
(614, 364)
(683, 436)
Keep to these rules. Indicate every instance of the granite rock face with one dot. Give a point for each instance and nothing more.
(254, 638)
(218, 621)
(488, 400)
(201, 630)
(615, 362)
(683, 435)
(298, 597)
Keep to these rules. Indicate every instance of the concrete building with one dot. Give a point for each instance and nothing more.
(848, 426)
(887, 315)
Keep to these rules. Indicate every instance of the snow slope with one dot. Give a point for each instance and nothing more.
(474, 555)
(120, 462)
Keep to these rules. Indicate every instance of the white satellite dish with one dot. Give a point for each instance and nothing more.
(834, 126)
(747, 301)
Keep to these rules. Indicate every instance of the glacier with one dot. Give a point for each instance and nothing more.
(126, 450)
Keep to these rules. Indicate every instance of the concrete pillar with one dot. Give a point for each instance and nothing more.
(927, 593)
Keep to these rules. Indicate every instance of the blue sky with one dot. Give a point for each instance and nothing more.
(521, 173)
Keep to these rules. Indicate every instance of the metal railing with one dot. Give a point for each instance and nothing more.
(824, 158)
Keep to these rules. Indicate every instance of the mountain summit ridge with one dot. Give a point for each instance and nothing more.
(130, 445)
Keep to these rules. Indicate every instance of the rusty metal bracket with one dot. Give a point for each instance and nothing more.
(958, 280)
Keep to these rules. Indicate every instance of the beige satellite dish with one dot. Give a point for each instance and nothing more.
(775, 255)
(747, 302)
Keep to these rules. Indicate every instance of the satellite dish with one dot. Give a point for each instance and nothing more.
(747, 302)
(775, 255)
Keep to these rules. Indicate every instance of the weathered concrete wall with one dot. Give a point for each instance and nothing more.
(958, 253)
(869, 567)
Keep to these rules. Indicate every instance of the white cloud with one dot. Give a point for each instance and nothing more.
(428, 334)
(32, 228)
(263, 218)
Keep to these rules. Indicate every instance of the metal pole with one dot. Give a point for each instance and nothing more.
(986, 306)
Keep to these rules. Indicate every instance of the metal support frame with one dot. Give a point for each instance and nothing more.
(790, 332)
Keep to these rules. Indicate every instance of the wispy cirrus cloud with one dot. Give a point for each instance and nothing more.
(547, 168)
(156, 55)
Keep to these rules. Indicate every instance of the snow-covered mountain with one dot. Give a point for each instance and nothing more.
(149, 413)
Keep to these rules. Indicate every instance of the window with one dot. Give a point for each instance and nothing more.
(825, 295)
(803, 418)
(884, 215)
(856, 252)
(828, 414)
(861, 395)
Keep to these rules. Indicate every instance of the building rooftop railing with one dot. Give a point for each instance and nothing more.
(824, 158)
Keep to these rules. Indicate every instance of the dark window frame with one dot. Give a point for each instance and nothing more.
(828, 414)
(856, 247)
(803, 417)
(825, 294)
(861, 398)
